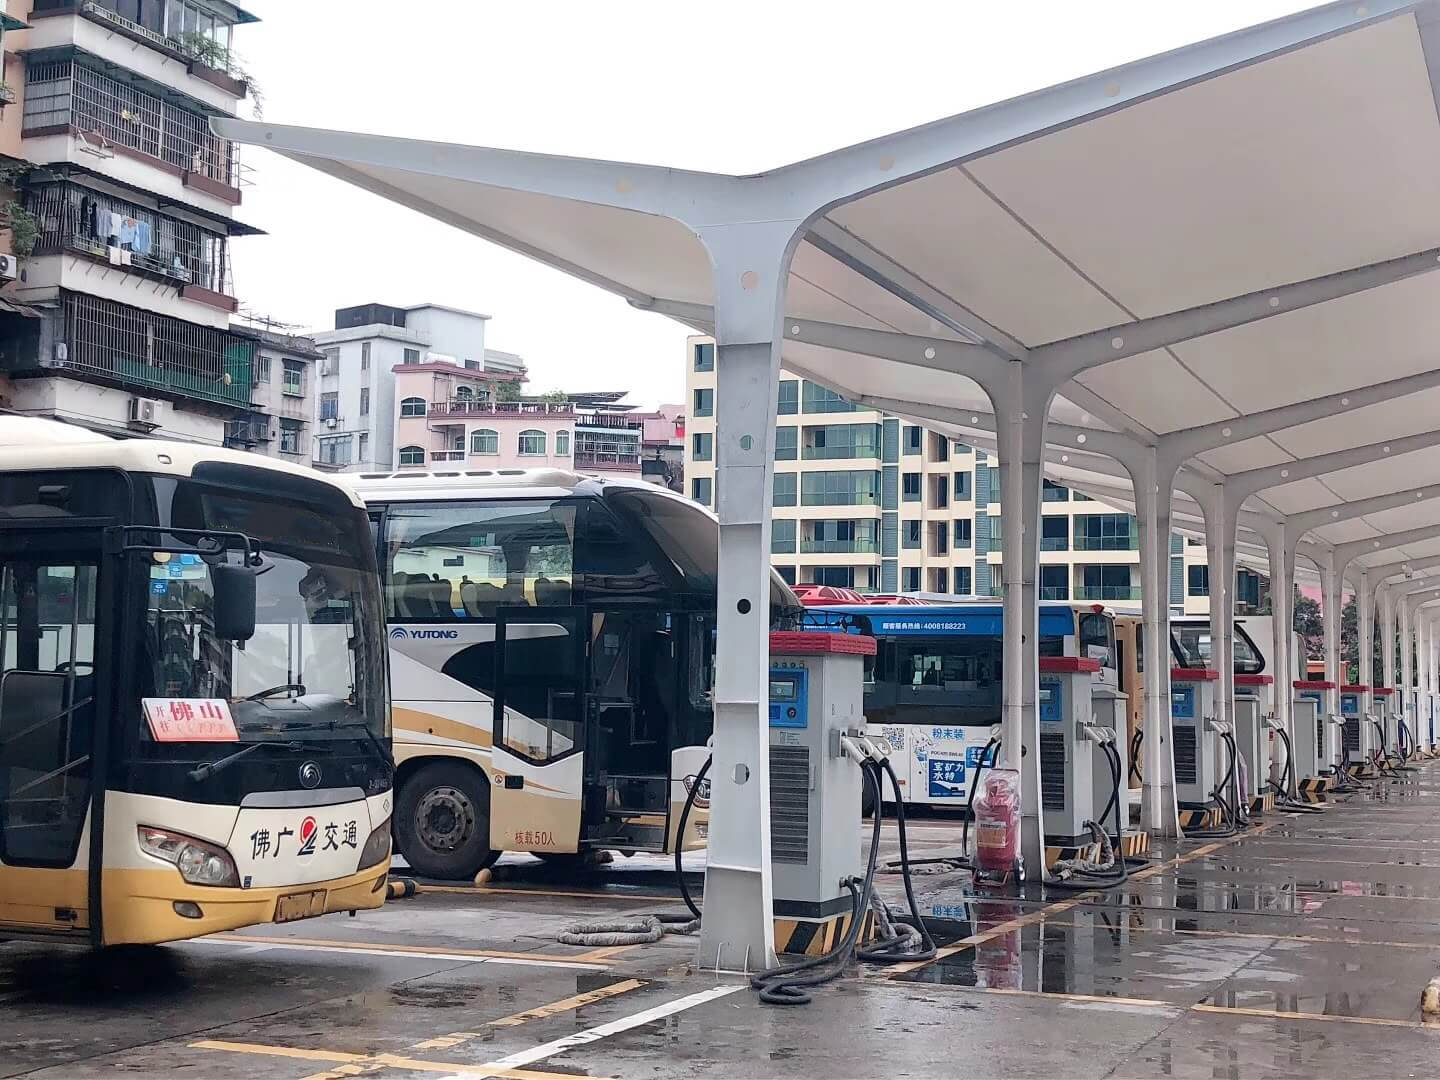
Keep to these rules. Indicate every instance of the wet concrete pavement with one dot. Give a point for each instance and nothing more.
(1298, 949)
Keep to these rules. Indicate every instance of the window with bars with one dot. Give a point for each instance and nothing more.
(64, 94)
(75, 219)
(262, 369)
(156, 352)
(290, 431)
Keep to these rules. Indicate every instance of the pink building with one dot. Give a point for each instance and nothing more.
(447, 416)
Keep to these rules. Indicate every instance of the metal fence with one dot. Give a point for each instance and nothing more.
(64, 93)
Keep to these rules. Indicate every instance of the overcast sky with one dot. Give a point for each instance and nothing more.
(738, 86)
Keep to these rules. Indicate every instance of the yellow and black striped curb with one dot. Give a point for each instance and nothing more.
(807, 937)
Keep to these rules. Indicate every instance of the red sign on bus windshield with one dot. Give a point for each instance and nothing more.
(190, 720)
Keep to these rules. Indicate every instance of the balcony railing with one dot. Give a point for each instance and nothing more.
(831, 453)
(243, 434)
(839, 547)
(1106, 543)
(1054, 592)
(447, 455)
(1107, 592)
(606, 459)
(63, 95)
(103, 11)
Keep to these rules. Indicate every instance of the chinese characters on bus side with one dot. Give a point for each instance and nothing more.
(190, 720)
(265, 844)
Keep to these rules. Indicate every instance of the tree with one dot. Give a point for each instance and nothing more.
(507, 391)
(1307, 624)
(1350, 641)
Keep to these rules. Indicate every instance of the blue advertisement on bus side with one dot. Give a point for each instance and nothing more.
(947, 778)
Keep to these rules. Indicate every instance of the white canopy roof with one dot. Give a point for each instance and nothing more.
(1241, 226)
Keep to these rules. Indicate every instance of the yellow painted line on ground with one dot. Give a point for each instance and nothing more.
(395, 946)
(1010, 925)
(384, 1061)
(1057, 995)
(1103, 928)
(595, 955)
(500, 890)
(1277, 1014)
(575, 1001)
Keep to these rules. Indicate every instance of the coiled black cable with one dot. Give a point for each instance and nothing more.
(1284, 796)
(988, 757)
(900, 950)
(1119, 872)
(1227, 814)
(1135, 741)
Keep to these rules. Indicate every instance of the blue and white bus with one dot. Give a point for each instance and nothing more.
(933, 688)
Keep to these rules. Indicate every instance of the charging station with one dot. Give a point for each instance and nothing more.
(1252, 736)
(1322, 736)
(1386, 729)
(1306, 740)
(1194, 738)
(1357, 735)
(816, 682)
(1075, 778)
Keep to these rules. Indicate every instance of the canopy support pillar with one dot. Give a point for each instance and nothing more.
(1330, 586)
(1153, 477)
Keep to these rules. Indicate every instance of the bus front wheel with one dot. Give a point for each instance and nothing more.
(442, 821)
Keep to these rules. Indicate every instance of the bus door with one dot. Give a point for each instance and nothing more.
(634, 686)
(540, 728)
(51, 694)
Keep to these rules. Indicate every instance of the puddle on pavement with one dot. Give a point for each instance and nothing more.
(130, 973)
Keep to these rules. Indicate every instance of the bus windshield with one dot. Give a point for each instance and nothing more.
(313, 669)
(1194, 642)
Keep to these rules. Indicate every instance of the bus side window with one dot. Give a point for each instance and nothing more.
(1097, 638)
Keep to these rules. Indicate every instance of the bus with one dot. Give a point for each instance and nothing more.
(552, 643)
(193, 716)
(933, 689)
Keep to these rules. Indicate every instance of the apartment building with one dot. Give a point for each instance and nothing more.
(357, 405)
(119, 206)
(662, 446)
(870, 502)
(282, 399)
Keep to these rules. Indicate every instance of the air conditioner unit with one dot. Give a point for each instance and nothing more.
(330, 421)
(144, 412)
(9, 267)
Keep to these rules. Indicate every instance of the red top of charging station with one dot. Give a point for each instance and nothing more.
(1193, 674)
(1058, 664)
(818, 642)
(1254, 680)
(1313, 684)
(1383, 691)
(1354, 688)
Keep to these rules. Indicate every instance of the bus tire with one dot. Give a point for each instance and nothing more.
(442, 821)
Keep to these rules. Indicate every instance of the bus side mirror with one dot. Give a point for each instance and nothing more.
(234, 588)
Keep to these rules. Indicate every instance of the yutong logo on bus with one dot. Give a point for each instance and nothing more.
(401, 634)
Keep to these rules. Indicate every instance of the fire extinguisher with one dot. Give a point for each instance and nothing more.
(997, 825)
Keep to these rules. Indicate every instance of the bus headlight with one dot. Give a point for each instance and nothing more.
(377, 846)
(199, 862)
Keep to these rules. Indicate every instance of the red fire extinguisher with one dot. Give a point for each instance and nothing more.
(997, 825)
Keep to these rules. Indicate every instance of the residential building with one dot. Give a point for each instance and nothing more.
(872, 502)
(118, 312)
(282, 399)
(447, 415)
(662, 446)
(356, 403)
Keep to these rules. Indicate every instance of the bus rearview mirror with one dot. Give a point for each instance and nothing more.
(234, 588)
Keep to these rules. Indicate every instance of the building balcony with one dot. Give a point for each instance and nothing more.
(607, 459)
(1106, 543)
(447, 455)
(1107, 592)
(1054, 592)
(839, 547)
(833, 453)
(248, 433)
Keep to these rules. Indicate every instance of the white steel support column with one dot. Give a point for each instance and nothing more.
(751, 265)
(1281, 555)
(1221, 508)
(1387, 636)
(1330, 618)
(1407, 668)
(1364, 603)
(1153, 480)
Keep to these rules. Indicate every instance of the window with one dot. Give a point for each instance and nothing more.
(859, 488)
(262, 368)
(910, 579)
(910, 536)
(700, 488)
(963, 491)
(335, 450)
(330, 362)
(958, 447)
(1054, 533)
(705, 356)
(290, 435)
(484, 441)
(532, 443)
(702, 444)
(786, 443)
(1199, 583)
(473, 365)
(704, 401)
(912, 438)
(365, 356)
(842, 441)
(1106, 583)
(1105, 532)
(940, 540)
(815, 398)
(843, 537)
(789, 397)
(329, 406)
(412, 406)
(964, 531)
(910, 487)
(939, 580)
(787, 574)
(939, 448)
(1054, 492)
(364, 401)
(364, 456)
(842, 577)
(783, 489)
(1055, 582)
(412, 455)
(1075, 496)
(782, 536)
(562, 444)
(939, 492)
(293, 378)
(963, 581)
(412, 356)
(464, 393)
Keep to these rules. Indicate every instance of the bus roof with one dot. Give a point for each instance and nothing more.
(30, 443)
(411, 484)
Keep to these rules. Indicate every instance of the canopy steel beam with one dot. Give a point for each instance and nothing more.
(1344, 553)
(1349, 511)
(1254, 481)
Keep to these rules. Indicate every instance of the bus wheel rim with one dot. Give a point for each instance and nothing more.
(445, 819)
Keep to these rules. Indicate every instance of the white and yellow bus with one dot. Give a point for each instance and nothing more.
(551, 640)
(193, 715)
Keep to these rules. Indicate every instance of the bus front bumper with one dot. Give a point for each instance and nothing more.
(143, 907)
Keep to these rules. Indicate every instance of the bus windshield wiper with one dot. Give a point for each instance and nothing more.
(349, 725)
(204, 772)
(261, 695)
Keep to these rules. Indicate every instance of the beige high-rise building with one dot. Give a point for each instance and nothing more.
(874, 503)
